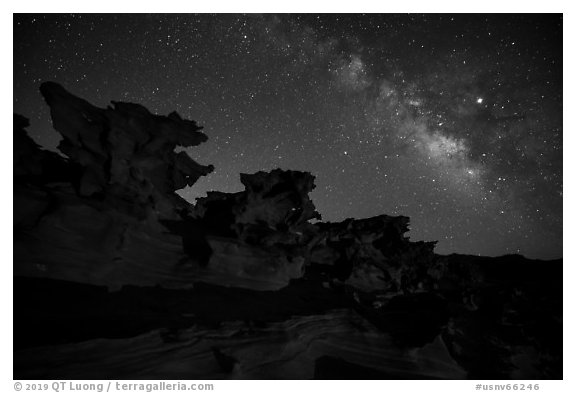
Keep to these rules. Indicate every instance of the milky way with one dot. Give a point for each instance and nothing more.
(452, 120)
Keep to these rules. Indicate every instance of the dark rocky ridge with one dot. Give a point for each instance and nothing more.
(116, 276)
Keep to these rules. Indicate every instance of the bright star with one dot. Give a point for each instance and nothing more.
(479, 100)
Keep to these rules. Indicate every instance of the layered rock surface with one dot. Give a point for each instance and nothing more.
(113, 268)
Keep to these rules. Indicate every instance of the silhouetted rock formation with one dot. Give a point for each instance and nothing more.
(118, 277)
(94, 217)
(256, 239)
(126, 153)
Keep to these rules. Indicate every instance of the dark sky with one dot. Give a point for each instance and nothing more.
(452, 120)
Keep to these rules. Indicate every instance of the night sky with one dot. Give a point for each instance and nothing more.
(452, 120)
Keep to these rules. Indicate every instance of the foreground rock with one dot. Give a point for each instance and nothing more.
(116, 276)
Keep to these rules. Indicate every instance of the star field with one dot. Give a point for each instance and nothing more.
(452, 120)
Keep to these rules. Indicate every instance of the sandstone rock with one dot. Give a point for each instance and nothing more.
(126, 154)
(118, 277)
(294, 349)
(94, 217)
